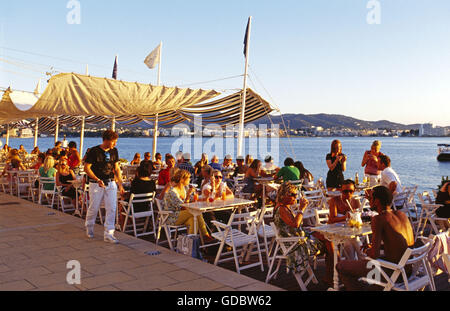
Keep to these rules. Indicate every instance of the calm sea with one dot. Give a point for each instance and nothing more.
(414, 159)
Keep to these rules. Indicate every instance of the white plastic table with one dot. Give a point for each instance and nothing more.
(198, 208)
(338, 233)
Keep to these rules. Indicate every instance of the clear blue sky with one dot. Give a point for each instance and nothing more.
(315, 56)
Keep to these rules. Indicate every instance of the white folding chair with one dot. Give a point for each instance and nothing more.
(421, 275)
(283, 246)
(24, 184)
(4, 183)
(51, 183)
(265, 232)
(238, 240)
(428, 214)
(446, 258)
(144, 198)
(162, 222)
(316, 199)
(322, 216)
(238, 186)
(64, 202)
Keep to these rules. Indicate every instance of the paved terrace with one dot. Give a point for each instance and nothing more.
(36, 243)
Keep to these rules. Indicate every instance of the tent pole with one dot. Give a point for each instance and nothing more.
(56, 129)
(155, 129)
(36, 129)
(241, 121)
(113, 124)
(7, 134)
(83, 120)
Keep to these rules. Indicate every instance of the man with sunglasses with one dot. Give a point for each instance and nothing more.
(102, 169)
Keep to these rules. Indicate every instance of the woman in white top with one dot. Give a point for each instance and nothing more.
(216, 187)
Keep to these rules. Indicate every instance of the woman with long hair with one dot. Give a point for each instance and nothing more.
(63, 176)
(180, 193)
(48, 170)
(198, 167)
(289, 224)
(337, 164)
(136, 160)
(304, 173)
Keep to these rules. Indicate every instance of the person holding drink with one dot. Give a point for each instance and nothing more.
(370, 162)
(337, 164)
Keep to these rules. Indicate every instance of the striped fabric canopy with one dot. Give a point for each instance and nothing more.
(222, 112)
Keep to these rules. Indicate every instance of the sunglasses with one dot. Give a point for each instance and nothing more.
(348, 191)
(218, 177)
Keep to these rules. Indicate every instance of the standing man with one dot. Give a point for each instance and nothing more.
(102, 169)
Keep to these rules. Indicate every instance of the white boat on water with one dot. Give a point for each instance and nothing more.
(444, 152)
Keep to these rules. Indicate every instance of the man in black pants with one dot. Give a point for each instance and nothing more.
(102, 169)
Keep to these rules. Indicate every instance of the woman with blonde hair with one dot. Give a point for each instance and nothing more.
(180, 193)
(48, 170)
(289, 224)
(370, 161)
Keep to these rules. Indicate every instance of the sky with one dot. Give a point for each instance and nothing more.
(306, 56)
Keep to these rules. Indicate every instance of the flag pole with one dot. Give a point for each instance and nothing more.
(113, 121)
(36, 126)
(244, 95)
(57, 129)
(7, 134)
(155, 128)
(83, 122)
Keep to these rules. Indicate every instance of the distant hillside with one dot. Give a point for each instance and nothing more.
(295, 121)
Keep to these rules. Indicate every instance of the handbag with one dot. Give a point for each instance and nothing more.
(189, 245)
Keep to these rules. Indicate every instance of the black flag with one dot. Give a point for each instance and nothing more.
(246, 38)
(114, 75)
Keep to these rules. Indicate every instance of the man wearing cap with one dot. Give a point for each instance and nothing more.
(186, 164)
(240, 167)
(215, 163)
(268, 166)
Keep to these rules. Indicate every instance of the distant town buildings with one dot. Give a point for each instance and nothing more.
(428, 129)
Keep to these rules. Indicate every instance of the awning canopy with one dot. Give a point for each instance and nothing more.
(79, 95)
(69, 96)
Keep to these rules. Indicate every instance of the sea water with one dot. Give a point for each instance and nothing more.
(413, 158)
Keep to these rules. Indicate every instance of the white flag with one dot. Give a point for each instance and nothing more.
(153, 58)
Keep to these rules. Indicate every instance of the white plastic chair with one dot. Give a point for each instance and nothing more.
(283, 246)
(43, 181)
(24, 184)
(129, 212)
(162, 222)
(64, 202)
(421, 275)
(428, 214)
(322, 216)
(238, 240)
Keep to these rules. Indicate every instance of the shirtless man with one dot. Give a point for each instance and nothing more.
(390, 227)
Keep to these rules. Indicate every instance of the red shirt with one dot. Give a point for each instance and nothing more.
(164, 177)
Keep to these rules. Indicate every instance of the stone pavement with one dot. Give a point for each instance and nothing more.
(36, 243)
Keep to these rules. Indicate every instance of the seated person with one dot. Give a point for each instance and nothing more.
(269, 167)
(48, 170)
(215, 163)
(178, 195)
(227, 165)
(241, 168)
(39, 161)
(389, 178)
(390, 228)
(443, 198)
(136, 160)
(164, 174)
(217, 189)
(254, 171)
(339, 209)
(289, 171)
(289, 225)
(205, 175)
(305, 175)
(63, 176)
(157, 163)
(141, 184)
(22, 150)
(35, 150)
